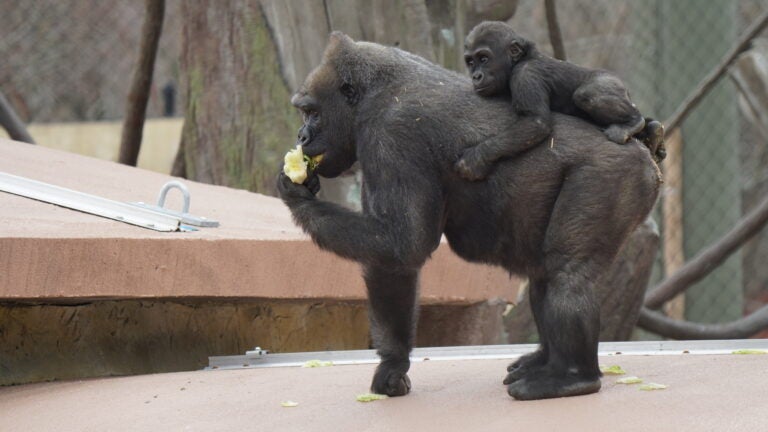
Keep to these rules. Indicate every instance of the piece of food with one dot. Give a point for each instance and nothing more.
(750, 351)
(629, 380)
(370, 397)
(289, 404)
(652, 386)
(316, 363)
(612, 370)
(295, 166)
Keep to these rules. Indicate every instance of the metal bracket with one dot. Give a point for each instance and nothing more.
(184, 215)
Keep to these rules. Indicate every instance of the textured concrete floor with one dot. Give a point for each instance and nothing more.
(705, 393)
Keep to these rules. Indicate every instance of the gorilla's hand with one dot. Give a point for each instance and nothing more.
(472, 165)
(290, 191)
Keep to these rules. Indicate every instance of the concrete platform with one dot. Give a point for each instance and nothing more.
(49, 253)
(84, 296)
(705, 393)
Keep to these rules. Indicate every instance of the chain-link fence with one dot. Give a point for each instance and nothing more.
(72, 61)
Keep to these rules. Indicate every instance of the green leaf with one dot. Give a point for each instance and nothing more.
(749, 351)
(612, 370)
(370, 397)
(652, 386)
(629, 380)
(316, 363)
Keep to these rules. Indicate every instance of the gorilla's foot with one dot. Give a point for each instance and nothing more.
(617, 134)
(391, 381)
(525, 365)
(653, 138)
(545, 386)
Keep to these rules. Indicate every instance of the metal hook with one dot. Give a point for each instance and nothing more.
(170, 185)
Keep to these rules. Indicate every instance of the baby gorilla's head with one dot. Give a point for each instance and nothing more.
(491, 50)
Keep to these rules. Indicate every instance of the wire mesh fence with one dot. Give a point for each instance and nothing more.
(71, 61)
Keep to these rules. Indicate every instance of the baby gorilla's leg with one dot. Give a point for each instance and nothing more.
(605, 99)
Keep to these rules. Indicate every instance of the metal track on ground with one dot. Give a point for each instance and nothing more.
(260, 358)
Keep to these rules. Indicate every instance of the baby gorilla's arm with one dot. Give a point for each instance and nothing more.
(530, 99)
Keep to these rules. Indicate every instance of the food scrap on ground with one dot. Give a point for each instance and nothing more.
(289, 404)
(629, 380)
(652, 386)
(370, 397)
(612, 370)
(316, 363)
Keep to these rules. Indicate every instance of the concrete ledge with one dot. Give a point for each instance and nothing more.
(49, 253)
(84, 296)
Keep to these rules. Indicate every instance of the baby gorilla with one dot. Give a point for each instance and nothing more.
(501, 62)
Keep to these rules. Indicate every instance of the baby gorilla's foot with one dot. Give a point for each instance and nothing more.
(653, 138)
(472, 166)
(617, 134)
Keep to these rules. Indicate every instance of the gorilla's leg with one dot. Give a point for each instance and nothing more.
(532, 361)
(606, 100)
(392, 312)
(580, 244)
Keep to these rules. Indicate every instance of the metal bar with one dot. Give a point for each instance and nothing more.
(482, 352)
(92, 204)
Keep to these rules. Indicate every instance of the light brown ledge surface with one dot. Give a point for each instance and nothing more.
(53, 254)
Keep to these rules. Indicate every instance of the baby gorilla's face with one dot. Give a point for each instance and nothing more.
(489, 70)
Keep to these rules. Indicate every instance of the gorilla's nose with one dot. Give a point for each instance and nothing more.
(477, 76)
(304, 136)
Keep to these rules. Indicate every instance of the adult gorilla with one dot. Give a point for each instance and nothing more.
(557, 213)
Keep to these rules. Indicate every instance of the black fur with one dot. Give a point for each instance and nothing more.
(558, 214)
(502, 63)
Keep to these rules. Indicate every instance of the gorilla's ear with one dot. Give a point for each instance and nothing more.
(350, 93)
(516, 50)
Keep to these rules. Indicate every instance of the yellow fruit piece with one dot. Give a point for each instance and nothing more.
(652, 386)
(612, 370)
(295, 167)
(629, 380)
(289, 404)
(316, 363)
(370, 397)
(750, 351)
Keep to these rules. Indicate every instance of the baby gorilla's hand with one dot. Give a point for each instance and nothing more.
(472, 166)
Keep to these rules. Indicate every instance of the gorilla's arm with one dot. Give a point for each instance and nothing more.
(389, 232)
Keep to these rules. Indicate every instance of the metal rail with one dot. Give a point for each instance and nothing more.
(262, 358)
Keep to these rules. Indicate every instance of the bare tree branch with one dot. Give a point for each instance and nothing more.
(713, 77)
(707, 260)
(677, 329)
(11, 122)
(136, 107)
(555, 36)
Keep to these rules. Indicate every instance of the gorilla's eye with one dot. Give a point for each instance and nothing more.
(309, 115)
(483, 59)
(469, 61)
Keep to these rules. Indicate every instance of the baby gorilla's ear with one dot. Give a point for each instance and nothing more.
(516, 51)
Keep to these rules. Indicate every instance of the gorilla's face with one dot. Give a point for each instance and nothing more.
(327, 107)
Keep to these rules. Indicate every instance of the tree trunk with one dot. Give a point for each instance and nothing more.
(136, 109)
(238, 121)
